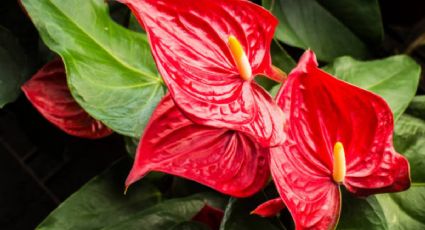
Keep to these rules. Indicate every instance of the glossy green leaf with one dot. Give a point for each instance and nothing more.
(361, 213)
(417, 107)
(13, 67)
(409, 140)
(237, 216)
(165, 215)
(309, 24)
(405, 210)
(392, 211)
(363, 17)
(395, 78)
(111, 72)
(101, 202)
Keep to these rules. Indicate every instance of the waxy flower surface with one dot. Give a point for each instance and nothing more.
(336, 134)
(48, 91)
(208, 53)
(226, 160)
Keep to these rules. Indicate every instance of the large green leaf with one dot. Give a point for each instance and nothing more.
(405, 210)
(111, 72)
(165, 215)
(395, 78)
(363, 17)
(332, 29)
(13, 67)
(361, 213)
(101, 203)
(417, 107)
(409, 139)
(395, 211)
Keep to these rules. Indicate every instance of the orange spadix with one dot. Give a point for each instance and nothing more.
(240, 58)
(339, 166)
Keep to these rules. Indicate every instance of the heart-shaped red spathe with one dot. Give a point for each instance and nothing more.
(48, 91)
(320, 111)
(225, 160)
(189, 43)
(270, 208)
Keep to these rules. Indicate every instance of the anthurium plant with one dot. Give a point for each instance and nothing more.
(237, 114)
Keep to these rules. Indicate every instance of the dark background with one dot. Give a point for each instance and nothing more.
(40, 166)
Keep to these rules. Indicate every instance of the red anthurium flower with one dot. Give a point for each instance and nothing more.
(210, 216)
(223, 159)
(269, 208)
(208, 53)
(48, 91)
(336, 134)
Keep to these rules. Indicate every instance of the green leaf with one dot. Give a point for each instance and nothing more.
(265, 82)
(165, 215)
(101, 202)
(361, 213)
(417, 107)
(363, 17)
(405, 210)
(14, 68)
(394, 211)
(409, 140)
(395, 78)
(308, 24)
(281, 58)
(213, 199)
(237, 216)
(131, 144)
(111, 72)
(134, 25)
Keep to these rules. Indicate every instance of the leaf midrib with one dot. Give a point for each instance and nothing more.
(384, 80)
(123, 63)
(154, 93)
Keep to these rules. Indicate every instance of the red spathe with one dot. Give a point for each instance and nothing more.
(225, 160)
(48, 91)
(189, 44)
(320, 111)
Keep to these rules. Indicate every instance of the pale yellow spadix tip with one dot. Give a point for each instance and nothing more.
(241, 60)
(125, 190)
(339, 166)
